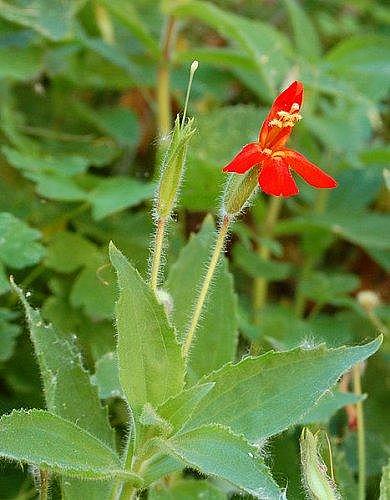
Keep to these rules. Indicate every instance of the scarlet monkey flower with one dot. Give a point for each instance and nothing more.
(270, 155)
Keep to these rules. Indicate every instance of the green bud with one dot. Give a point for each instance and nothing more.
(238, 192)
(318, 484)
(173, 169)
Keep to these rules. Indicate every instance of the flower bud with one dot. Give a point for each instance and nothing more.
(172, 169)
(238, 192)
(318, 484)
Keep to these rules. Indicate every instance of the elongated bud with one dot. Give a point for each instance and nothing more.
(173, 168)
(318, 484)
(238, 192)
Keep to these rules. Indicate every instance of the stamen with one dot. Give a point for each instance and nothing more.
(267, 151)
(294, 107)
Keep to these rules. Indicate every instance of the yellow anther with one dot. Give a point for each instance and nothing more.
(267, 151)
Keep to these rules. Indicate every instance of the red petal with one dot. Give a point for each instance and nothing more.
(275, 178)
(284, 101)
(249, 156)
(312, 174)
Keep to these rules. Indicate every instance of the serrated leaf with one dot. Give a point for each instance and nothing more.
(215, 450)
(19, 245)
(151, 368)
(118, 193)
(189, 489)
(259, 397)
(49, 441)
(216, 336)
(66, 383)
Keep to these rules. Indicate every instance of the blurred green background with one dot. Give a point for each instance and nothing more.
(80, 121)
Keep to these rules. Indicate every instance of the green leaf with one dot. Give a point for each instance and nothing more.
(66, 165)
(53, 19)
(8, 333)
(363, 60)
(189, 489)
(329, 288)
(178, 410)
(118, 193)
(255, 266)
(215, 450)
(106, 377)
(151, 368)
(328, 405)
(259, 397)
(256, 39)
(51, 442)
(68, 251)
(127, 14)
(210, 351)
(385, 483)
(20, 63)
(119, 123)
(67, 388)
(306, 38)
(18, 242)
(221, 133)
(94, 293)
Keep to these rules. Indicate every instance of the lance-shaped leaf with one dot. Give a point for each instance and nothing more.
(51, 442)
(151, 368)
(216, 336)
(262, 396)
(215, 450)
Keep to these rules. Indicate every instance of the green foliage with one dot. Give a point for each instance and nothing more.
(207, 448)
(274, 400)
(49, 441)
(82, 90)
(219, 316)
(147, 337)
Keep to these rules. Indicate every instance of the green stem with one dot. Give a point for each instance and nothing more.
(44, 485)
(219, 244)
(360, 434)
(157, 253)
(310, 260)
(163, 94)
(260, 285)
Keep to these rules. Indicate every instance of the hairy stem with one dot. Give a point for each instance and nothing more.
(157, 253)
(260, 285)
(360, 434)
(44, 485)
(163, 94)
(219, 245)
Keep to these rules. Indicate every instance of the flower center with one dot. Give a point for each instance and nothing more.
(287, 118)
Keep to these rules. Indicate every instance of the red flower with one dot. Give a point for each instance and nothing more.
(269, 153)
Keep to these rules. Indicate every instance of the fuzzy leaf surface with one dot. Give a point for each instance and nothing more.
(151, 368)
(216, 336)
(262, 396)
(215, 450)
(49, 441)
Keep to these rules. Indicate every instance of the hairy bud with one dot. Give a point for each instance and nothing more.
(318, 484)
(172, 169)
(238, 192)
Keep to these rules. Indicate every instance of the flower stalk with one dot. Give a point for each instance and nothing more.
(361, 435)
(219, 245)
